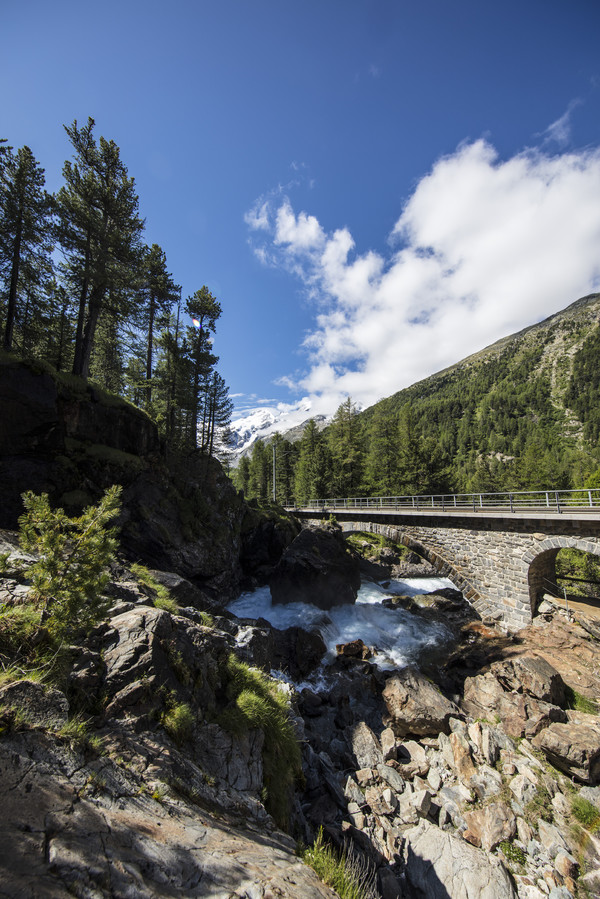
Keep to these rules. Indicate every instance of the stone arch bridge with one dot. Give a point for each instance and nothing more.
(503, 561)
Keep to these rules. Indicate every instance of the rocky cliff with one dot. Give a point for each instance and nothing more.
(61, 436)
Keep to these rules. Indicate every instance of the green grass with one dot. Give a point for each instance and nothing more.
(346, 874)
(585, 812)
(179, 722)
(255, 701)
(579, 702)
(19, 626)
(513, 853)
(162, 598)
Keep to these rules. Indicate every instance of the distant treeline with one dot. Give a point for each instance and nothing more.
(81, 290)
(513, 421)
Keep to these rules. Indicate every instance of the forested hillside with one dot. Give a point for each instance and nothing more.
(81, 290)
(522, 414)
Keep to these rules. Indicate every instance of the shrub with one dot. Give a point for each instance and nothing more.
(258, 702)
(74, 553)
(346, 874)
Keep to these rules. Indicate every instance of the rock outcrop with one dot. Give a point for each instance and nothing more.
(317, 568)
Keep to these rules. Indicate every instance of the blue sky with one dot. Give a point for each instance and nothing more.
(372, 189)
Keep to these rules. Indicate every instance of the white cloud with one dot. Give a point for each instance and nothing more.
(482, 248)
(559, 132)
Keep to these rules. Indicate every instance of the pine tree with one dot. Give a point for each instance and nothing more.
(25, 233)
(100, 232)
(312, 472)
(346, 443)
(159, 294)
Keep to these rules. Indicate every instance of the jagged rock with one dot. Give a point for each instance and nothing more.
(491, 825)
(354, 650)
(565, 864)
(381, 801)
(415, 705)
(486, 781)
(317, 568)
(521, 714)
(463, 763)
(551, 838)
(391, 777)
(388, 744)
(41, 706)
(532, 675)
(411, 760)
(353, 793)
(265, 536)
(523, 788)
(439, 865)
(184, 592)
(365, 746)
(573, 748)
(235, 760)
(294, 650)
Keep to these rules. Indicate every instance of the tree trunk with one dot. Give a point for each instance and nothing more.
(78, 357)
(149, 352)
(12, 294)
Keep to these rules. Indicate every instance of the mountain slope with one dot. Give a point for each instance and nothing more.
(529, 391)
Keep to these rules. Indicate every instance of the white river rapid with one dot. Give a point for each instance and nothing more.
(398, 637)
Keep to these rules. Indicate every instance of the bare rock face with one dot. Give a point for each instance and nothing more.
(44, 706)
(573, 747)
(439, 865)
(416, 706)
(316, 568)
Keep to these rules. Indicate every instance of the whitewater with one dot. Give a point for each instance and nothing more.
(398, 637)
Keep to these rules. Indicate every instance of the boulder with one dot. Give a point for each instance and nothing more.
(416, 706)
(316, 568)
(573, 748)
(439, 865)
(491, 825)
(365, 746)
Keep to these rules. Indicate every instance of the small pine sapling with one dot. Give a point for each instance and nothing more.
(74, 553)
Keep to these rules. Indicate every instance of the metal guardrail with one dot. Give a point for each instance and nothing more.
(582, 500)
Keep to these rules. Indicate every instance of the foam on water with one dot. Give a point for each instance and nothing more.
(398, 636)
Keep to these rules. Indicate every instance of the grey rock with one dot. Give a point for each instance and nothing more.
(41, 706)
(365, 746)
(439, 865)
(391, 777)
(317, 568)
(416, 706)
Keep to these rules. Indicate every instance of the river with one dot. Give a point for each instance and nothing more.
(398, 637)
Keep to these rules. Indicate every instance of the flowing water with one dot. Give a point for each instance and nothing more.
(398, 637)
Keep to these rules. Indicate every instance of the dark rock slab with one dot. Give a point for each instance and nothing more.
(316, 568)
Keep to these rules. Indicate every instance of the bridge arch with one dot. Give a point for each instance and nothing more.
(541, 573)
(402, 536)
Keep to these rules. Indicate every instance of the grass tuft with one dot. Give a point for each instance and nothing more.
(579, 702)
(347, 874)
(255, 701)
(585, 812)
(178, 721)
